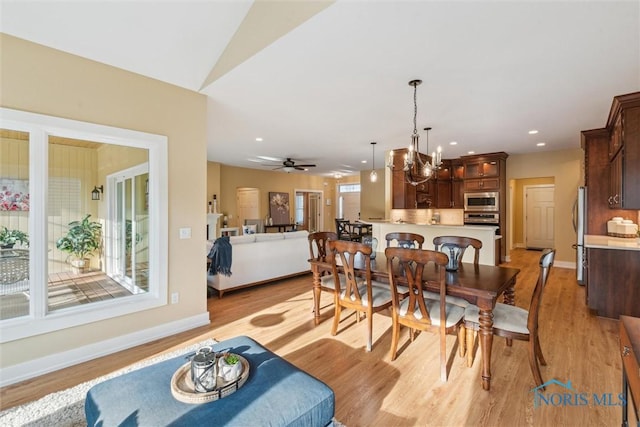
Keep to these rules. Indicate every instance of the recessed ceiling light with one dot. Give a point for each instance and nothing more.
(363, 161)
(471, 152)
(541, 144)
(259, 139)
(453, 143)
(533, 132)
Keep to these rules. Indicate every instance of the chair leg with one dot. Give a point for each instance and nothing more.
(533, 362)
(471, 339)
(370, 330)
(443, 355)
(462, 343)
(336, 319)
(539, 352)
(395, 336)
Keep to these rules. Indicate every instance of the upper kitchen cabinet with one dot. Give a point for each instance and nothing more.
(484, 172)
(595, 144)
(449, 185)
(623, 126)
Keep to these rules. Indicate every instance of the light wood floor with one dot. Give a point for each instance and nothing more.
(373, 391)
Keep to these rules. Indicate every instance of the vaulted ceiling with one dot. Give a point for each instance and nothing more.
(319, 80)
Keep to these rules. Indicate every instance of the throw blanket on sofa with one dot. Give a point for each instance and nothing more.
(220, 256)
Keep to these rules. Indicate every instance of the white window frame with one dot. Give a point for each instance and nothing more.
(40, 127)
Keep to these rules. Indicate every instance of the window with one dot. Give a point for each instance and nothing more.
(73, 172)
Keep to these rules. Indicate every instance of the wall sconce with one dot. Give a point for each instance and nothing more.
(95, 194)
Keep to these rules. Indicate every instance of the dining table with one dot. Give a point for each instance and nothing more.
(481, 285)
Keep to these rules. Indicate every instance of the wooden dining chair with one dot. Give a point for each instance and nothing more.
(513, 322)
(356, 290)
(442, 243)
(319, 251)
(415, 311)
(405, 239)
(344, 231)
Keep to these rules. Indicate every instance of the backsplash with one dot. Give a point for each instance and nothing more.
(424, 216)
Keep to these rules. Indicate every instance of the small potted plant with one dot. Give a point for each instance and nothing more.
(229, 367)
(82, 239)
(8, 238)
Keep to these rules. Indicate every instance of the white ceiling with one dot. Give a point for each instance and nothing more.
(319, 85)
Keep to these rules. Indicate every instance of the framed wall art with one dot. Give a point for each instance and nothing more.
(279, 209)
(14, 194)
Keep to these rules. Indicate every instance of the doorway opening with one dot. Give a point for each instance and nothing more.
(308, 210)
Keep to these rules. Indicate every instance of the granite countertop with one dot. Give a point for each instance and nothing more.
(607, 242)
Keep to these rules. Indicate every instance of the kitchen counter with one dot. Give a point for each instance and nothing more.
(607, 242)
(485, 233)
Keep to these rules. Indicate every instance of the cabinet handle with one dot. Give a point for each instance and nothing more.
(626, 351)
(615, 199)
(610, 200)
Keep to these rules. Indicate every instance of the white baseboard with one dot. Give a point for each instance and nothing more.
(53, 362)
(565, 264)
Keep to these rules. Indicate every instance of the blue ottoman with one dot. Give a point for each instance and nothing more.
(275, 394)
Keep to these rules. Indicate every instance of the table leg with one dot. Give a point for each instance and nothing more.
(486, 343)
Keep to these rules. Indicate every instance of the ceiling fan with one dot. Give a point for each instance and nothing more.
(289, 165)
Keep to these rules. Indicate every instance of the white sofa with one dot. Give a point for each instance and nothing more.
(262, 257)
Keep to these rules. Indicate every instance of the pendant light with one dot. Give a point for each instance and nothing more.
(373, 176)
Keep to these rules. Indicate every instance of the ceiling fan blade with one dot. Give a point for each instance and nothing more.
(307, 166)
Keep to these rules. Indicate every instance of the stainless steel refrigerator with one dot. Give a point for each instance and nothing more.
(580, 227)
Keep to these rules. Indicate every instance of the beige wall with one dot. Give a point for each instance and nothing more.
(565, 167)
(41, 80)
(231, 178)
(372, 196)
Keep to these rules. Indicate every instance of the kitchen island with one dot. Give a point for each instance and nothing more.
(485, 233)
(613, 276)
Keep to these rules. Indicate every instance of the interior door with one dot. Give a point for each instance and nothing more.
(314, 211)
(248, 204)
(539, 212)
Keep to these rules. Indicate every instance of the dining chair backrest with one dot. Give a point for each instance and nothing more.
(318, 249)
(546, 262)
(405, 240)
(460, 243)
(409, 264)
(350, 256)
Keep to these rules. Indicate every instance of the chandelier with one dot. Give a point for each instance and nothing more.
(416, 170)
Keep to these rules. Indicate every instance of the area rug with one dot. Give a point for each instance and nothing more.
(65, 408)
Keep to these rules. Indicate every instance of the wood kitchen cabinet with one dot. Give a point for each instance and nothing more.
(623, 126)
(613, 282)
(405, 195)
(484, 172)
(450, 185)
(595, 144)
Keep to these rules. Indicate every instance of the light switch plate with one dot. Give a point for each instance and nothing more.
(185, 233)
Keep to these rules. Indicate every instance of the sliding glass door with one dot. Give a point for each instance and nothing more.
(129, 217)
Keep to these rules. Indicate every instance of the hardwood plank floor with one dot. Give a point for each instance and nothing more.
(372, 390)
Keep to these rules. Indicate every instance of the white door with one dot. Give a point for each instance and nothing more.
(539, 212)
(248, 204)
(350, 206)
